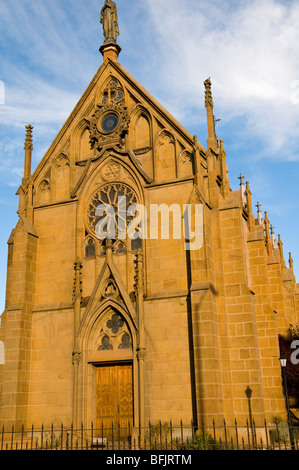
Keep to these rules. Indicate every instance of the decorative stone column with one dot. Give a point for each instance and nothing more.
(76, 359)
(141, 349)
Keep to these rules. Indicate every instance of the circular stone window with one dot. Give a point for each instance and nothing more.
(109, 122)
(111, 210)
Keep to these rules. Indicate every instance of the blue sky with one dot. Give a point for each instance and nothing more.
(49, 54)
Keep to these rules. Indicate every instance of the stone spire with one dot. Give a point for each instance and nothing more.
(274, 241)
(280, 246)
(224, 169)
(242, 188)
(212, 141)
(268, 236)
(28, 147)
(259, 213)
(248, 195)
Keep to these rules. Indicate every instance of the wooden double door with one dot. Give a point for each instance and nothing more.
(114, 399)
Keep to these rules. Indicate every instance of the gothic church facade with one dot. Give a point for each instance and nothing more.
(136, 329)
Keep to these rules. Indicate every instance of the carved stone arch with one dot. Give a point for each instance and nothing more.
(81, 139)
(94, 334)
(113, 168)
(185, 164)
(85, 150)
(141, 137)
(61, 161)
(112, 325)
(89, 247)
(165, 156)
(90, 328)
(61, 177)
(44, 191)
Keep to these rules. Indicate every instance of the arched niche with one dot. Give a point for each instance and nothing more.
(142, 140)
(165, 168)
(85, 150)
(61, 177)
(185, 164)
(89, 248)
(44, 192)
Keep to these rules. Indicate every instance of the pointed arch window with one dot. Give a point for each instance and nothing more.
(115, 334)
(106, 345)
(113, 93)
(90, 249)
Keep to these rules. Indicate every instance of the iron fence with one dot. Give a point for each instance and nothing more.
(159, 436)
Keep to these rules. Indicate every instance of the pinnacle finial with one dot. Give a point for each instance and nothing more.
(259, 213)
(241, 178)
(212, 140)
(268, 235)
(208, 93)
(291, 262)
(28, 138)
(28, 147)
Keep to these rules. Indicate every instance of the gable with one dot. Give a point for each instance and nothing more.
(159, 147)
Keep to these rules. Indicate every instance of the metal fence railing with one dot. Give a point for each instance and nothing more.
(159, 436)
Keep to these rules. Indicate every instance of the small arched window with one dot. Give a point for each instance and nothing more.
(90, 249)
(113, 93)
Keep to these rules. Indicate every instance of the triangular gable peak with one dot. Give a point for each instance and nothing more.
(145, 130)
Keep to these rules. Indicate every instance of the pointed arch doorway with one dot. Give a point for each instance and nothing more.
(113, 373)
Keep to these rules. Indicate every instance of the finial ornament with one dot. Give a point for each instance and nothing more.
(291, 262)
(241, 178)
(259, 213)
(109, 20)
(209, 97)
(28, 139)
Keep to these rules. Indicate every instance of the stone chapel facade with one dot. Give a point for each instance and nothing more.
(139, 329)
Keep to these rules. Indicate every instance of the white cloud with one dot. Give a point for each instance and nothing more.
(250, 50)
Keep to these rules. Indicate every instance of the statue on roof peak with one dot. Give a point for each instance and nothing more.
(109, 21)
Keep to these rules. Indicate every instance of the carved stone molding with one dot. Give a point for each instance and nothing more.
(76, 358)
(141, 354)
(108, 124)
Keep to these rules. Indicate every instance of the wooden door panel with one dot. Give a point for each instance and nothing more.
(114, 398)
(106, 405)
(125, 396)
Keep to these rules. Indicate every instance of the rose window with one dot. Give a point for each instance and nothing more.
(110, 213)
